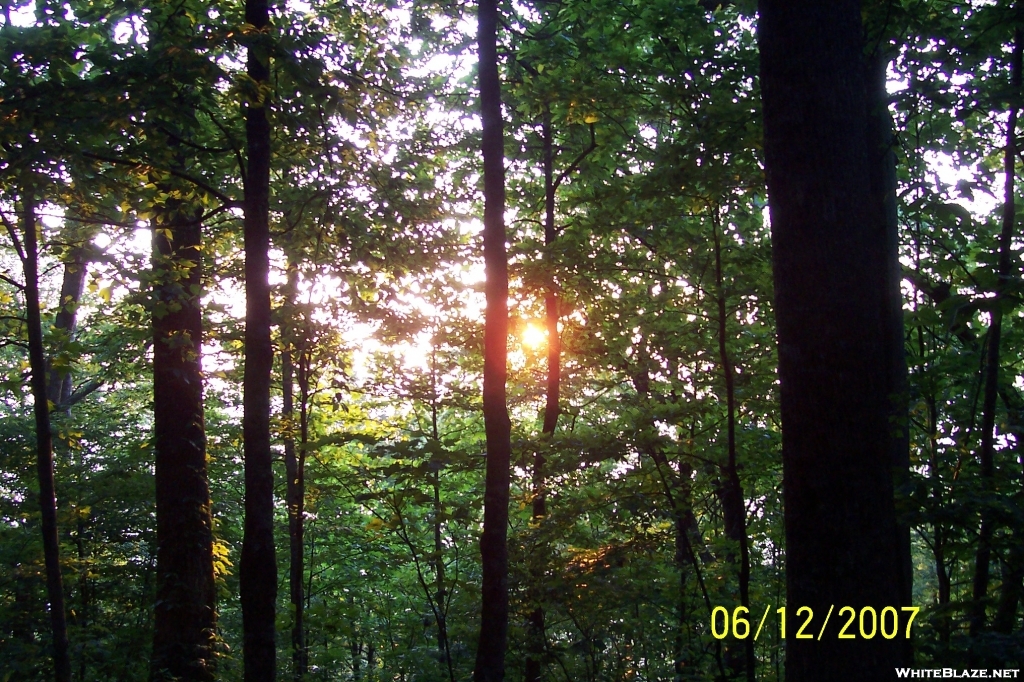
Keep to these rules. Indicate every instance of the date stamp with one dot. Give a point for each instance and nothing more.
(867, 623)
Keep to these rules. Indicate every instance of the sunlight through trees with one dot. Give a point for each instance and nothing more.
(414, 340)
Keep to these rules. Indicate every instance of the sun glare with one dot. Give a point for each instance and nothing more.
(534, 336)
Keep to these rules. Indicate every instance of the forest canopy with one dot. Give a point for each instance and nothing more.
(584, 340)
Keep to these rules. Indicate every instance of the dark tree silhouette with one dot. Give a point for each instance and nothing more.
(490, 655)
(258, 569)
(832, 254)
(185, 616)
(44, 439)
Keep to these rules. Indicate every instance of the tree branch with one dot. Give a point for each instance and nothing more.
(225, 199)
(14, 283)
(78, 395)
(576, 162)
(14, 237)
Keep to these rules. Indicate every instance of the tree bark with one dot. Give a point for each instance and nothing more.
(988, 411)
(833, 301)
(490, 655)
(185, 616)
(258, 566)
(44, 443)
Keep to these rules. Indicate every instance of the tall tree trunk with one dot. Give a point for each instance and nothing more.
(882, 144)
(183, 633)
(490, 655)
(440, 590)
(258, 569)
(44, 443)
(882, 159)
(58, 391)
(554, 349)
(536, 644)
(833, 302)
(734, 512)
(988, 410)
(295, 471)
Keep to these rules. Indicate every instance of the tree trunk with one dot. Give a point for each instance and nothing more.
(58, 387)
(551, 409)
(295, 471)
(44, 443)
(939, 532)
(1012, 590)
(440, 590)
(490, 655)
(258, 569)
(536, 644)
(185, 619)
(734, 513)
(58, 391)
(1005, 618)
(882, 143)
(988, 410)
(84, 601)
(833, 301)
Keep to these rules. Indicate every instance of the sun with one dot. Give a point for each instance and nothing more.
(534, 336)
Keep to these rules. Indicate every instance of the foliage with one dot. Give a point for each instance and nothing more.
(121, 109)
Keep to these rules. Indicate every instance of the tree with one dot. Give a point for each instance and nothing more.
(294, 342)
(258, 586)
(490, 656)
(185, 612)
(832, 255)
(992, 354)
(28, 251)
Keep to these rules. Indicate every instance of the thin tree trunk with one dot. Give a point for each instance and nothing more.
(185, 619)
(84, 603)
(295, 471)
(687, 531)
(44, 444)
(988, 410)
(356, 648)
(734, 512)
(440, 591)
(551, 409)
(939, 533)
(1010, 593)
(58, 391)
(258, 569)
(490, 655)
(832, 256)
(536, 644)
(1012, 589)
(58, 387)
